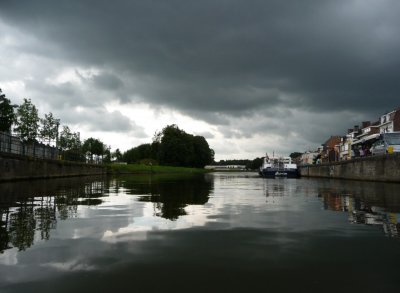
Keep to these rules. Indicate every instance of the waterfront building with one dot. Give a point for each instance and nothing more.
(330, 152)
(308, 157)
(390, 122)
(346, 142)
(369, 134)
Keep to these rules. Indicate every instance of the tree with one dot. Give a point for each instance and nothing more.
(107, 154)
(93, 146)
(254, 164)
(295, 155)
(49, 127)
(136, 154)
(6, 113)
(203, 155)
(27, 121)
(70, 144)
(178, 148)
(69, 140)
(117, 155)
(174, 148)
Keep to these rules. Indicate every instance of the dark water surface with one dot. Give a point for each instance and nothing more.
(222, 232)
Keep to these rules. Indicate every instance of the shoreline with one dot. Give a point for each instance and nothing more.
(383, 168)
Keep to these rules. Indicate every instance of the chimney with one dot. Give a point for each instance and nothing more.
(350, 130)
(356, 128)
(366, 124)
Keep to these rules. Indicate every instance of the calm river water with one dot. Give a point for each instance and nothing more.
(220, 232)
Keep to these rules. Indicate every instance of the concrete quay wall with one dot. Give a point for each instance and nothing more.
(385, 168)
(16, 167)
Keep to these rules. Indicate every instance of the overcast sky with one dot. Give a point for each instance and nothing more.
(250, 76)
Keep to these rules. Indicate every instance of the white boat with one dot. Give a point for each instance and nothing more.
(278, 166)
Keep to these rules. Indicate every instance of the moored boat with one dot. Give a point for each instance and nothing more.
(278, 167)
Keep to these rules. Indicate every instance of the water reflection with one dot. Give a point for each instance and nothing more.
(30, 210)
(170, 198)
(239, 232)
(369, 203)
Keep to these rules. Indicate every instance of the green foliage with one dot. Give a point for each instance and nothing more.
(295, 155)
(7, 115)
(250, 164)
(146, 168)
(93, 146)
(49, 127)
(178, 148)
(27, 121)
(117, 155)
(173, 147)
(138, 153)
(203, 155)
(69, 140)
(255, 164)
(107, 155)
(233, 162)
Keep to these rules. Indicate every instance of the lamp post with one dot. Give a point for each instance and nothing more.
(58, 125)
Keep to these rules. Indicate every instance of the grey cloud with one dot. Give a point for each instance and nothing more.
(99, 119)
(210, 54)
(222, 61)
(107, 81)
(205, 134)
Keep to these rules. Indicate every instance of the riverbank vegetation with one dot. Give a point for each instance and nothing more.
(151, 169)
(23, 121)
(170, 147)
(249, 164)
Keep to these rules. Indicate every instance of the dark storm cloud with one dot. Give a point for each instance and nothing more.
(107, 81)
(229, 56)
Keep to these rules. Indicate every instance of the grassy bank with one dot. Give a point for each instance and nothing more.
(145, 169)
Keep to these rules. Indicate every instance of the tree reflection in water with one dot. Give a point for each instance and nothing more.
(29, 210)
(170, 194)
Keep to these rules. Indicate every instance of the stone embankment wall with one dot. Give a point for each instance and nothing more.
(16, 167)
(377, 168)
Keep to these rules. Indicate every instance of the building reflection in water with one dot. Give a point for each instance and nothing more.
(360, 211)
(30, 210)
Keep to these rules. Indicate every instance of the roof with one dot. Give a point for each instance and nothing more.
(366, 138)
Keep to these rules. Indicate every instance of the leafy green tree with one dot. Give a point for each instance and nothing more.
(70, 144)
(254, 164)
(117, 155)
(27, 121)
(93, 146)
(107, 154)
(178, 148)
(203, 155)
(174, 148)
(295, 155)
(49, 128)
(136, 154)
(6, 113)
(69, 140)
